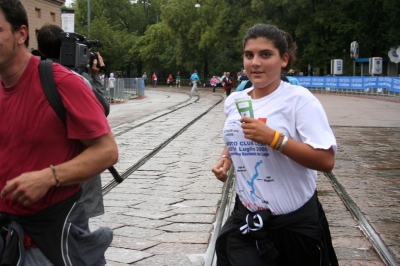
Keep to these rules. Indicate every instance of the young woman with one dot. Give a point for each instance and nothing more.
(277, 219)
(213, 82)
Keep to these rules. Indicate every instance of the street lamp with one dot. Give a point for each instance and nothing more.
(88, 17)
(344, 59)
(197, 4)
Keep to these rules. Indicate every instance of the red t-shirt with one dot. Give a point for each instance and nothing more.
(32, 136)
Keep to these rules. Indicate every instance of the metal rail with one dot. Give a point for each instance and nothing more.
(223, 212)
(173, 109)
(108, 187)
(363, 223)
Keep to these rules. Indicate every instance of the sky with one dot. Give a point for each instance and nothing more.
(68, 2)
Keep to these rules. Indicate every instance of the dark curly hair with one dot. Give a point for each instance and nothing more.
(281, 39)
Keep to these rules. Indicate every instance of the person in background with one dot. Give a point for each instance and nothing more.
(41, 205)
(111, 86)
(170, 80)
(223, 76)
(228, 83)
(96, 68)
(277, 218)
(178, 79)
(213, 82)
(49, 45)
(244, 76)
(144, 77)
(239, 74)
(289, 75)
(154, 79)
(194, 79)
(293, 80)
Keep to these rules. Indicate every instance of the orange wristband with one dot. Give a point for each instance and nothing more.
(275, 140)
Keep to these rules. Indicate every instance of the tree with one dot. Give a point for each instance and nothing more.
(171, 35)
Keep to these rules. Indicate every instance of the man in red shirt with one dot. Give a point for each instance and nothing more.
(154, 79)
(44, 161)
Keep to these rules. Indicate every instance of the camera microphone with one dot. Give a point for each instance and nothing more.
(93, 43)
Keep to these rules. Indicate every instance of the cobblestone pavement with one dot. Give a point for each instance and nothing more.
(368, 166)
(163, 214)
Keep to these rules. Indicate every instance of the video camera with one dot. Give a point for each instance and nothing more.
(75, 51)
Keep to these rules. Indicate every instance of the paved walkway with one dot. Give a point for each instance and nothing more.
(163, 213)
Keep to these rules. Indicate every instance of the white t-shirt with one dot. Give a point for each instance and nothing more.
(111, 82)
(265, 178)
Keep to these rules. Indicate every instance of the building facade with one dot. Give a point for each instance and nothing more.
(39, 13)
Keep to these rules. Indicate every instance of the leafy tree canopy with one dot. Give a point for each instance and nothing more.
(167, 36)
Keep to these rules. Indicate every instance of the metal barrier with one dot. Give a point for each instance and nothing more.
(124, 89)
(225, 208)
(163, 82)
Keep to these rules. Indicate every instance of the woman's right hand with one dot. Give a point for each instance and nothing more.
(221, 169)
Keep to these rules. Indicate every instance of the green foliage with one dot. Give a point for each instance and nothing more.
(115, 43)
(172, 35)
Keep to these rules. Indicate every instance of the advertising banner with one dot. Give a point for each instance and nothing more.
(351, 82)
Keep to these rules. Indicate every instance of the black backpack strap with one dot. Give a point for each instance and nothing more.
(248, 85)
(115, 174)
(50, 89)
(38, 53)
(54, 98)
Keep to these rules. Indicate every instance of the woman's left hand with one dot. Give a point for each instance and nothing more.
(256, 130)
(221, 168)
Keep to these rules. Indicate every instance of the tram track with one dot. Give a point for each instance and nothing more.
(362, 221)
(134, 166)
(164, 113)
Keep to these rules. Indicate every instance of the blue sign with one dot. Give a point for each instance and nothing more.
(378, 66)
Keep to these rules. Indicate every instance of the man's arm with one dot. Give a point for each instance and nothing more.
(100, 154)
(95, 69)
(95, 72)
